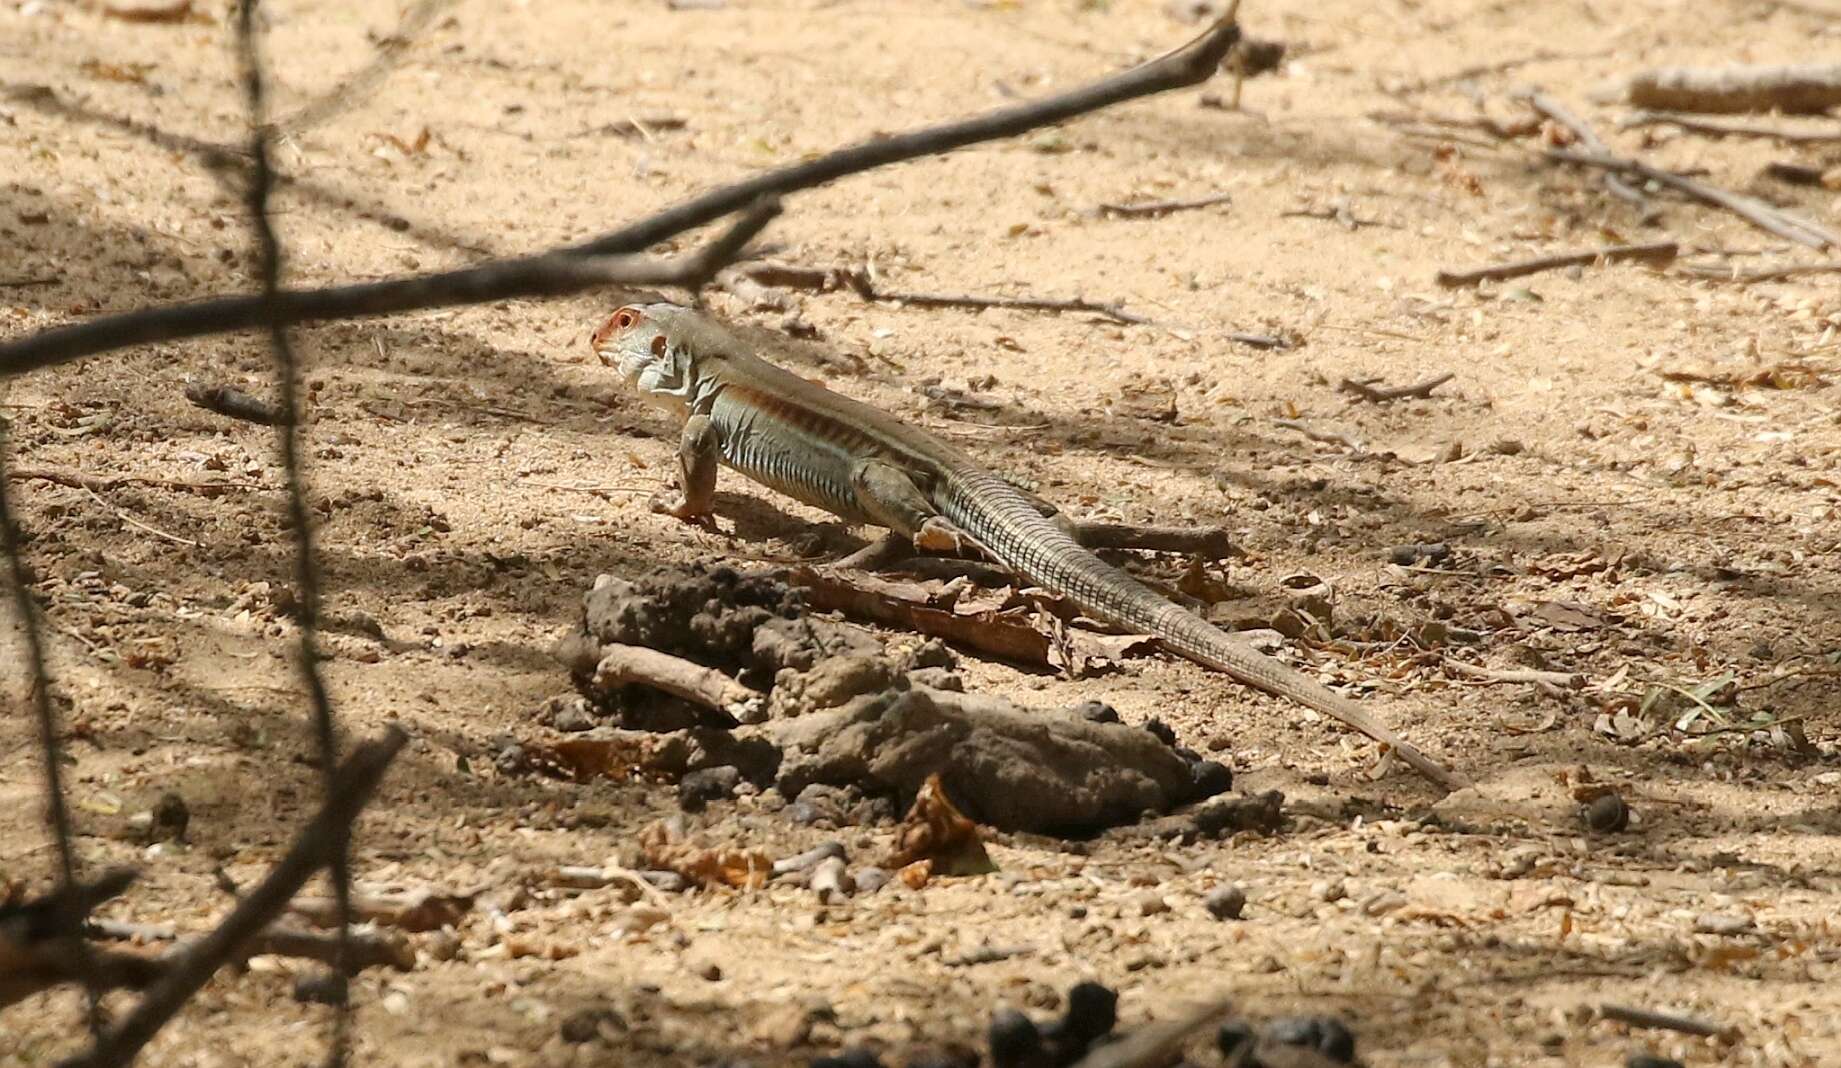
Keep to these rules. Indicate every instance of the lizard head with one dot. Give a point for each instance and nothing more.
(639, 342)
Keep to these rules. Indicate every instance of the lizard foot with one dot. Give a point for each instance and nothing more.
(676, 506)
(936, 535)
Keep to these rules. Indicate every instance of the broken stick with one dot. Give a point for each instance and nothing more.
(1772, 220)
(1658, 253)
(1795, 89)
(627, 665)
(1154, 208)
(1374, 394)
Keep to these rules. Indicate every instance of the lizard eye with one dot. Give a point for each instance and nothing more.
(624, 318)
(658, 345)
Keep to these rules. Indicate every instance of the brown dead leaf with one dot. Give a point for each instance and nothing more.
(936, 832)
(408, 148)
(587, 759)
(744, 869)
(916, 875)
(1568, 616)
(131, 73)
(176, 11)
(413, 911)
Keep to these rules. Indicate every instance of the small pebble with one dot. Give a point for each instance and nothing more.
(1226, 903)
(1151, 904)
(697, 789)
(321, 988)
(1607, 814)
(1650, 1060)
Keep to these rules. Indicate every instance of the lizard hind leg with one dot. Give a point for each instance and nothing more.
(890, 497)
(699, 456)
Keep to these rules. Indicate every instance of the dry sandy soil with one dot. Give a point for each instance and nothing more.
(1634, 473)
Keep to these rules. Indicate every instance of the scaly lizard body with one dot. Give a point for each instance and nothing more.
(865, 466)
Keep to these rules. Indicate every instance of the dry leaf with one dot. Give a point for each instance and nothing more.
(586, 759)
(745, 869)
(936, 832)
(1568, 616)
(916, 875)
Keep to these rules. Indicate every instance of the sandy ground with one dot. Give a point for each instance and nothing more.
(1602, 514)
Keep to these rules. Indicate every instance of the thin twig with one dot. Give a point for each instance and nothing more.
(27, 283)
(1721, 128)
(1588, 137)
(1564, 680)
(1154, 208)
(1214, 543)
(1660, 252)
(1382, 394)
(1766, 274)
(1662, 1021)
(971, 300)
(312, 850)
(306, 567)
(133, 522)
(355, 88)
(82, 480)
(560, 272)
(51, 747)
(1772, 220)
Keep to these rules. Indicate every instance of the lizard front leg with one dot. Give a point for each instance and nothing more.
(699, 456)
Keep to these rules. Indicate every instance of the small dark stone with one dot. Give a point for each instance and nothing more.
(697, 789)
(850, 1058)
(1607, 814)
(1014, 1039)
(170, 818)
(572, 718)
(1211, 778)
(1295, 1031)
(955, 1057)
(1097, 712)
(1650, 1060)
(1161, 730)
(590, 1024)
(321, 988)
(1232, 1036)
(1226, 903)
(1338, 1042)
(1092, 1011)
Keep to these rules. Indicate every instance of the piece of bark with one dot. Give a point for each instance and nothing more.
(1794, 89)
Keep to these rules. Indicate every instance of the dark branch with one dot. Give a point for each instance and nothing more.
(356, 781)
(51, 748)
(551, 274)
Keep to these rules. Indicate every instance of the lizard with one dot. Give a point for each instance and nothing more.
(865, 466)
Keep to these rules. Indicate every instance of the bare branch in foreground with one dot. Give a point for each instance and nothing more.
(41, 943)
(306, 567)
(553, 274)
(550, 274)
(1658, 253)
(51, 749)
(356, 781)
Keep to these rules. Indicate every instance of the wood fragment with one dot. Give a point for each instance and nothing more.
(1657, 253)
(1793, 89)
(1772, 220)
(1664, 1021)
(1729, 128)
(369, 949)
(1765, 274)
(1382, 394)
(1795, 173)
(1564, 680)
(416, 911)
(234, 403)
(1156, 208)
(29, 282)
(1214, 543)
(636, 665)
(865, 597)
(1560, 113)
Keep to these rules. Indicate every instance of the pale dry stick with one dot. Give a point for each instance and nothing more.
(367, 949)
(1158, 208)
(1657, 253)
(1719, 128)
(1664, 1021)
(1563, 680)
(1560, 113)
(1767, 274)
(636, 665)
(133, 522)
(51, 748)
(559, 272)
(1325, 437)
(353, 784)
(1765, 217)
(1374, 394)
